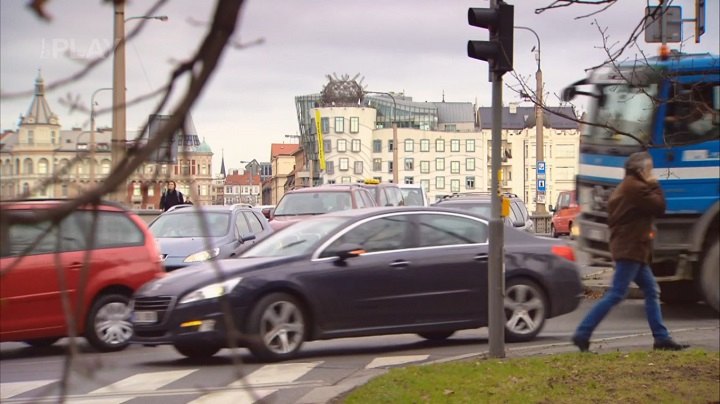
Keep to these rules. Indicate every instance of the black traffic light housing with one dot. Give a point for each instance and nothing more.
(498, 51)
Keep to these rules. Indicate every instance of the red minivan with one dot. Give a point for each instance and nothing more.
(93, 266)
(564, 214)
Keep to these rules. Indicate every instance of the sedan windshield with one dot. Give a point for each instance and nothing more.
(481, 209)
(313, 203)
(301, 238)
(191, 224)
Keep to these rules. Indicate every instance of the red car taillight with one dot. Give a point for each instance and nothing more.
(563, 251)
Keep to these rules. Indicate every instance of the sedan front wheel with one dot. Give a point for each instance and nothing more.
(276, 327)
(525, 310)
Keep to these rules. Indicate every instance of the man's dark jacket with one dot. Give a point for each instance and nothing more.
(170, 199)
(632, 209)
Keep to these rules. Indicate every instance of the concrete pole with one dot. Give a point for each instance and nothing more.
(118, 115)
(496, 267)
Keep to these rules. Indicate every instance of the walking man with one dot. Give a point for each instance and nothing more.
(631, 211)
(171, 197)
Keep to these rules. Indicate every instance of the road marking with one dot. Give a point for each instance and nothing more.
(395, 360)
(12, 389)
(145, 381)
(278, 374)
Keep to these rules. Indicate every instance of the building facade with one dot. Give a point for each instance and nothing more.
(444, 146)
(282, 161)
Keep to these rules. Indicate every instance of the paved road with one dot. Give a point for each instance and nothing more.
(141, 375)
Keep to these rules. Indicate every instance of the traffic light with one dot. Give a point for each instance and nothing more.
(498, 51)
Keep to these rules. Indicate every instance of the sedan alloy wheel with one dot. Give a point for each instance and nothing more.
(525, 310)
(277, 327)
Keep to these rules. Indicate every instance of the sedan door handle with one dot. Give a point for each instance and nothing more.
(481, 257)
(400, 264)
(75, 266)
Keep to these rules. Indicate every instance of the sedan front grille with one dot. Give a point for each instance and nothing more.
(159, 304)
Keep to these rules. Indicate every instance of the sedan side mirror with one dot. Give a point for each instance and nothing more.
(348, 250)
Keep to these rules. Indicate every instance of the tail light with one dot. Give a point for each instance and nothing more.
(564, 251)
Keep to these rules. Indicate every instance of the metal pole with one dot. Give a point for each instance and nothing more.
(118, 129)
(496, 270)
(540, 142)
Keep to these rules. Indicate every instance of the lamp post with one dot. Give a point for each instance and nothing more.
(118, 115)
(93, 143)
(396, 168)
(539, 142)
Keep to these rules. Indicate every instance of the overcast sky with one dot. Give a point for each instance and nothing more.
(413, 46)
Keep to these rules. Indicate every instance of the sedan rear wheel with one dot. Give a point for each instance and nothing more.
(108, 327)
(276, 327)
(525, 310)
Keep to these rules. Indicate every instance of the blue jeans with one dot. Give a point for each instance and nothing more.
(627, 271)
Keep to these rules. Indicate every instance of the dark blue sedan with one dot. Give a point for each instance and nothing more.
(357, 273)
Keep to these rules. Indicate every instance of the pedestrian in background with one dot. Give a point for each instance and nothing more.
(632, 208)
(171, 197)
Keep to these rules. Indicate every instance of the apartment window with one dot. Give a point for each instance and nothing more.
(43, 166)
(409, 145)
(354, 124)
(390, 145)
(440, 164)
(439, 145)
(329, 167)
(185, 167)
(355, 145)
(470, 145)
(52, 136)
(409, 164)
(344, 164)
(469, 164)
(105, 167)
(31, 137)
(390, 167)
(163, 169)
(424, 145)
(325, 122)
(136, 189)
(327, 146)
(425, 167)
(425, 184)
(377, 164)
(409, 180)
(377, 146)
(439, 182)
(339, 124)
(455, 145)
(455, 167)
(358, 167)
(151, 191)
(342, 145)
(454, 186)
(345, 180)
(469, 182)
(451, 128)
(64, 191)
(204, 169)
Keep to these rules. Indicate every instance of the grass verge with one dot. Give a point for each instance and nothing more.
(691, 376)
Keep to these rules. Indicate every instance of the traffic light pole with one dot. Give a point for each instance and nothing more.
(496, 268)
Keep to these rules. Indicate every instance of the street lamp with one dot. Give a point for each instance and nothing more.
(396, 167)
(93, 143)
(539, 197)
(118, 115)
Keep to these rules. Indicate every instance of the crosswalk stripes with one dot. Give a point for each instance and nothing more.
(12, 389)
(255, 386)
(270, 374)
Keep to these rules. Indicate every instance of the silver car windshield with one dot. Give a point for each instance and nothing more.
(298, 239)
(313, 203)
(191, 224)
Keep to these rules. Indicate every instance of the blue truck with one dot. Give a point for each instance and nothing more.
(668, 106)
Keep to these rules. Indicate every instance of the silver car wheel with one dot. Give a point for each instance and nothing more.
(282, 327)
(112, 323)
(524, 308)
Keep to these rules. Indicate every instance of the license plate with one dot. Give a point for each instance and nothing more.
(596, 234)
(145, 317)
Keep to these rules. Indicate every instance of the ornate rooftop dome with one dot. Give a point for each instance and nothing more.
(342, 91)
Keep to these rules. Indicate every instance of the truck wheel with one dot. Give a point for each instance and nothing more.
(678, 292)
(710, 276)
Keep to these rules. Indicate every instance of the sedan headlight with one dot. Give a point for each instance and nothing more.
(203, 255)
(211, 291)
